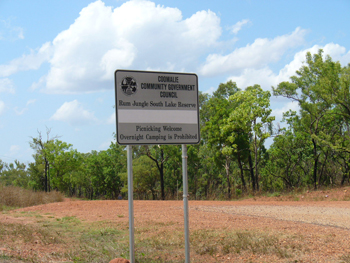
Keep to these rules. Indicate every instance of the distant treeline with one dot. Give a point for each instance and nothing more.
(311, 148)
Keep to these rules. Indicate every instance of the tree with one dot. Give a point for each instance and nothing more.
(39, 145)
(114, 161)
(316, 87)
(249, 120)
(215, 111)
(14, 174)
(62, 160)
(145, 179)
(156, 154)
(287, 155)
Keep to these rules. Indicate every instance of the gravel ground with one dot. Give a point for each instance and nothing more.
(319, 215)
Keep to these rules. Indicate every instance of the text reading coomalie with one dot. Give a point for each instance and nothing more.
(168, 90)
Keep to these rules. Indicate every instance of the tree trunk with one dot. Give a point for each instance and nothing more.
(251, 169)
(160, 169)
(315, 164)
(227, 168)
(48, 177)
(345, 175)
(45, 175)
(242, 173)
(256, 160)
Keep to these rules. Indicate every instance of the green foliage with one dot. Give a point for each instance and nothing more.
(321, 89)
(14, 174)
(231, 160)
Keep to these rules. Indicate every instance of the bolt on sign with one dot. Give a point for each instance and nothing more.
(156, 107)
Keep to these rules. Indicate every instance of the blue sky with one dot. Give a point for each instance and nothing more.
(57, 58)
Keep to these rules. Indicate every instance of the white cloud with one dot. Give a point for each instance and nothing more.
(6, 85)
(238, 26)
(2, 107)
(257, 55)
(14, 150)
(111, 119)
(211, 90)
(74, 114)
(105, 145)
(278, 113)
(250, 76)
(10, 32)
(138, 34)
(32, 61)
(267, 78)
(20, 112)
(31, 102)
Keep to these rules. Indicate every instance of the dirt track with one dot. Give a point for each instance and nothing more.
(323, 227)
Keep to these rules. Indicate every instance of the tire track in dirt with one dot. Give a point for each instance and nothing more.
(318, 215)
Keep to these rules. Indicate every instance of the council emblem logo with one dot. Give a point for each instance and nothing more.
(129, 85)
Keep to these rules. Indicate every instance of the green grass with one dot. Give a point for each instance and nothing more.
(102, 241)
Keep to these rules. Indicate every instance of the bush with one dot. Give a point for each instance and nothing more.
(14, 196)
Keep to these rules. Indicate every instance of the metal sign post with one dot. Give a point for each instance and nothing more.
(155, 108)
(131, 204)
(185, 198)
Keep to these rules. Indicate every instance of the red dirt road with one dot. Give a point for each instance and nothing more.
(322, 229)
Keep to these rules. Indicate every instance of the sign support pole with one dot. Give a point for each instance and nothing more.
(131, 203)
(185, 199)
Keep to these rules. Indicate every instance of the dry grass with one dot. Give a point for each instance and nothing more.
(237, 242)
(12, 196)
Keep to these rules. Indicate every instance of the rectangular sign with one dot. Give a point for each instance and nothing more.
(156, 107)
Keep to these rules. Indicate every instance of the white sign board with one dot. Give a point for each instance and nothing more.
(156, 107)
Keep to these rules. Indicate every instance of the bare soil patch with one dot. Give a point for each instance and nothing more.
(260, 230)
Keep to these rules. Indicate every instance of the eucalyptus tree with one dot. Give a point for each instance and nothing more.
(215, 110)
(317, 89)
(145, 175)
(114, 164)
(63, 160)
(40, 146)
(173, 169)
(248, 123)
(287, 155)
(160, 155)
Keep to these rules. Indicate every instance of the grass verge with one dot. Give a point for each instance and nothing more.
(68, 239)
(14, 197)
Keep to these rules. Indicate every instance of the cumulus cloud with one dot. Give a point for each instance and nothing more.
(267, 78)
(6, 85)
(257, 55)
(238, 26)
(137, 34)
(74, 113)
